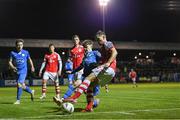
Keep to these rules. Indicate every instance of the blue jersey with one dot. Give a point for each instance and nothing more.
(90, 57)
(68, 66)
(20, 60)
(90, 61)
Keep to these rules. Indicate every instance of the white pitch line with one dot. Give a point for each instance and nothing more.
(132, 112)
(80, 114)
(135, 98)
(152, 110)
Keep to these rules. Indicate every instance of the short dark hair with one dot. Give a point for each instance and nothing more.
(87, 42)
(51, 45)
(74, 36)
(100, 33)
(19, 40)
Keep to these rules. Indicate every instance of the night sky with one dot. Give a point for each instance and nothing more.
(126, 20)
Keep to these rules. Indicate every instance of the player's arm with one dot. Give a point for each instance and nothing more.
(11, 65)
(98, 55)
(130, 75)
(60, 65)
(112, 57)
(31, 64)
(41, 69)
(135, 74)
(81, 66)
(78, 68)
(42, 66)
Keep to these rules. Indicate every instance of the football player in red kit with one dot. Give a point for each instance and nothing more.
(132, 76)
(53, 66)
(77, 55)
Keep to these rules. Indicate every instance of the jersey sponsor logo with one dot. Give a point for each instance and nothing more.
(20, 60)
(51, 60)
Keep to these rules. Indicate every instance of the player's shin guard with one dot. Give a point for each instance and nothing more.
(44, 88)
(85, 84)
(57, 89)
(27, 89)
(69, 92)
(19, 92)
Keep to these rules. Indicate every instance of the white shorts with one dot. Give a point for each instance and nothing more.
(78, 75)
(104, 76)
(50, 75)
(133, 79)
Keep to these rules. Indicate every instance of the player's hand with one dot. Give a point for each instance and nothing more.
(40, 74)
(14, 69)
(106, 65)
(32, 69)
(68, 72)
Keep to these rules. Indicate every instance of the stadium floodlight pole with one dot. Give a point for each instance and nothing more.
(103, 4)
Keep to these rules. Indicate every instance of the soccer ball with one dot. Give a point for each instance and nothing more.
(68, 107)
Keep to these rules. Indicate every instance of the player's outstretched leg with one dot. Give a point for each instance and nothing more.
(28, 90)
(85, 84)
(69, 92)
(58, 101)
(90, 100)
(96, 91)
(83, 87)
(71, 88)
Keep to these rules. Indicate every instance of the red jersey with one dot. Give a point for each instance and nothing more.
(52, 62)
(106, 54)
(132, 74)
(77, 54)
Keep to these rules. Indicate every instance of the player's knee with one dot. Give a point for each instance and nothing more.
(77, 83)
(21, 85)
(70, 82)
(71, 86)
(43, 81)
(91, 77)
(56, 83)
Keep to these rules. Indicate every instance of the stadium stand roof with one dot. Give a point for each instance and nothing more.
(68, 44)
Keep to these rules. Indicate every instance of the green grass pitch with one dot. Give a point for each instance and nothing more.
(148, 101)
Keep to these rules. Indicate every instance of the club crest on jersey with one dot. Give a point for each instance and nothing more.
(23, 55)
